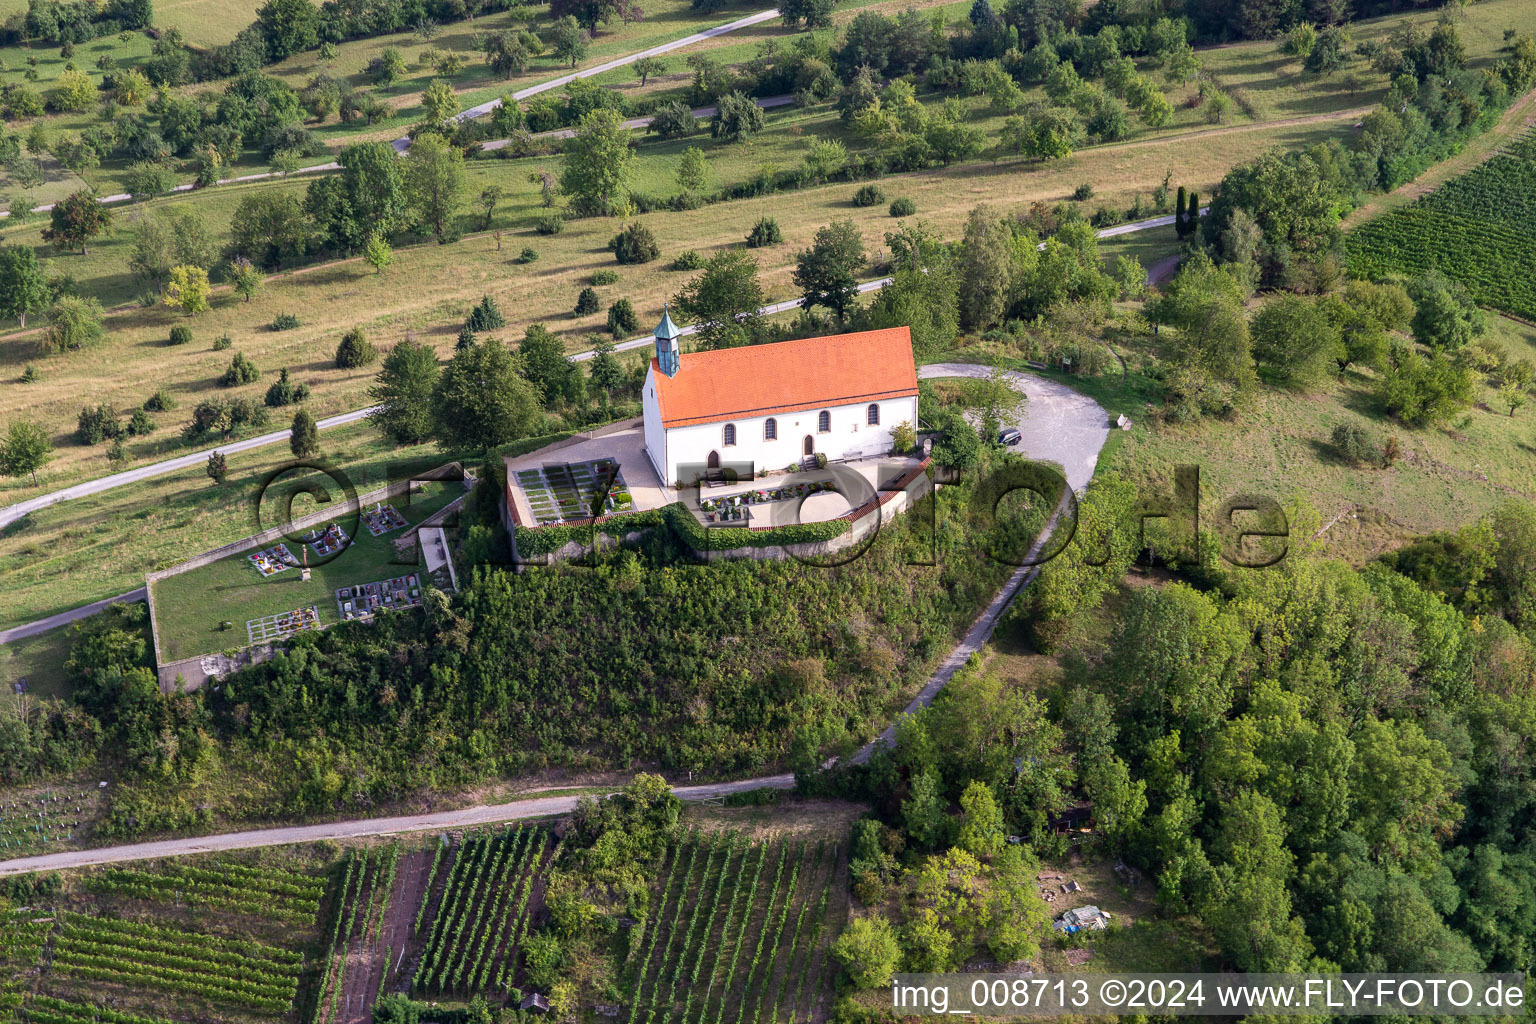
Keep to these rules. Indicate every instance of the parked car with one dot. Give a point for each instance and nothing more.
(1010, 437)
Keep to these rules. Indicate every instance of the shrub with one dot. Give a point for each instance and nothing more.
(765, 232)
(181, 335)
(869, 195)
(550, 222)
(97, 424)
(1356, 444)
(284, 392)
(355, 350)
(528, 255)
(160, 401)
(1083, 192)
(466, 338)
(285, 322)
(222, 342)
(605, 276)
(635, 244)
(622, 319)
(241, 371)
(587, 302)
(486, 316)
(140, 423)
(901, 206)
(29, 374)
(688, 259)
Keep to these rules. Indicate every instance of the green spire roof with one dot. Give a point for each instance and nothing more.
(667, 329)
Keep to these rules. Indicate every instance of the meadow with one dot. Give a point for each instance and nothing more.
(445, 281)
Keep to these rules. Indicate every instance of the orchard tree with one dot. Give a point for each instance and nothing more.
(23, 285)
(25, 449)
(75, 220)
(481, 401)
(570, 40)
(489, 197)
(435, 171)
(825, 273)
(73, 323)
(188, 290)
(245, 277)
(869, 951)
(599, 165)
(439, 102)
(813, 14)
(218, 466)
(693, 171)
(606, 371)
(737, 117)
(402, 393)
(377, 253)
(724, 301)
(645, 67)
(588, 13)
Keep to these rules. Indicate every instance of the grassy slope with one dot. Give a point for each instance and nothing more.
(1447, 476)
(430, 287)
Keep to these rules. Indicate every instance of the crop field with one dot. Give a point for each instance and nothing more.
(473, 929)
(218, 940)
(738, 931)
(1479, 229)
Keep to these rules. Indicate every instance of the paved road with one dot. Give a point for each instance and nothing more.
(1059, 425)
(64, 618)
(480, 110)
(536, 807)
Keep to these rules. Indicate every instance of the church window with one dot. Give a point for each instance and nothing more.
(771, 429)
(872, 415)
(824, 421)
(730, 433)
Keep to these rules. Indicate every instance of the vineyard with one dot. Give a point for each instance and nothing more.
(1479, 229)
(473, 941)
(738, 931)
(145, 944)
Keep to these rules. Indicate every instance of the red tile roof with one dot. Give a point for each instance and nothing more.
(787, 376)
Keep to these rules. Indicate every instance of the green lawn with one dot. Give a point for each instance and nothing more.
(40, 661)
(189, 606)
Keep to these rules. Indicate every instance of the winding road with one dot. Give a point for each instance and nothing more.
(1059, 425)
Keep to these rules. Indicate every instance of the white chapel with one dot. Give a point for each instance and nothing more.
(776, 405)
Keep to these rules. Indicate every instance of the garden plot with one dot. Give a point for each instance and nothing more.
(381, 519)
(559, 493)
(273, 560)
(32, 822)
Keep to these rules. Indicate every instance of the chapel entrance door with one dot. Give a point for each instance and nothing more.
(810, 445)
(714, 460)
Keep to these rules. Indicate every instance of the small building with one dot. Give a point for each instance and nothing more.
(1079, 918)
(775, 406)
(534, 1002)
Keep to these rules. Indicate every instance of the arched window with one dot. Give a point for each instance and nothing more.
(730, 433)
(872, 415)
(770, 429)
(824, 421)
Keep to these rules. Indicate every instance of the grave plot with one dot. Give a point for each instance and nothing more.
(363, 600)
(275, 627)
(273, 560)
(381, 519)
(329, 540)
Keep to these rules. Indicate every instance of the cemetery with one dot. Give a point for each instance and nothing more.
(268, 593)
